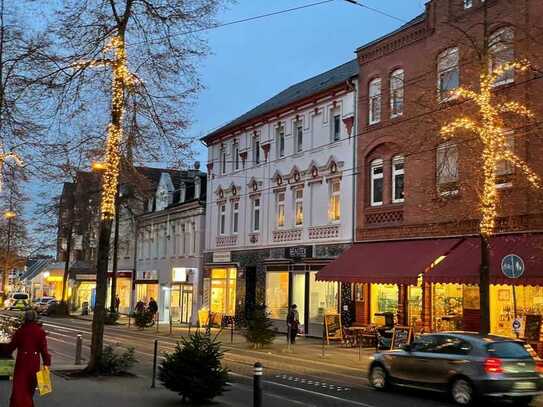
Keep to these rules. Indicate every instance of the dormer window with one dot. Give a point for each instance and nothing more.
(468, 4)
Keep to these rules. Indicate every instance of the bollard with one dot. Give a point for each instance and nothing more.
(190, 326)
(257, 385)
(323, 342)
(289, 329)
(155, 356)
(78, 349)
(157, 319)
(170, 324)
(232, 332)
(129, 314)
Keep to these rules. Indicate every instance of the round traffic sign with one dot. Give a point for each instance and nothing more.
(516, 325)
(512, 266)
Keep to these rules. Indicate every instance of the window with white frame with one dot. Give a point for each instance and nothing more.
(184, 238)
(376, 182)
(504, 168)
(501, 51)
(468, 3)
(336, 126)
(256, 150)
(299, 136)
(375, 101)
(299, 207)
(156, 240)
(398, 176)
(164, 241)
(396, 93)
(235, 217)
(448, 73)
(334, 206)
(447, 167)
(223, 160)
(235, 156)
(256, 214)
(280, 209)
(222, 219)
(280, 141)
(174, 239)
(194, 238)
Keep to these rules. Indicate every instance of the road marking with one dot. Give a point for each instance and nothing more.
(273, 395)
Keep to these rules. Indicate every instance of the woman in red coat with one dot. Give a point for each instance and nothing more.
(30, 342)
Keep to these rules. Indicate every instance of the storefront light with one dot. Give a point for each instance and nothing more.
(179, 274)
(46, 274)
(437, 261)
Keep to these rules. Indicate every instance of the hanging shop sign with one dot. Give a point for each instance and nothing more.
(512, 266)
(401, 335)
(332, 328)
(298, 252)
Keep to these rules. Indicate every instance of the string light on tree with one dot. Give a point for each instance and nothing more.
(493, 136)
(5, 157)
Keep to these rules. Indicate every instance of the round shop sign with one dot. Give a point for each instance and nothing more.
(512, 266)
(516, 325)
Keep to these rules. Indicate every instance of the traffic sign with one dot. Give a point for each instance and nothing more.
(516, 325)
(512, 266)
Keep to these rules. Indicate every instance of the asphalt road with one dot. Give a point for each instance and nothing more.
(286, 382)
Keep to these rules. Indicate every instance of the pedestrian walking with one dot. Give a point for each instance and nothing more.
(293, 322)
(30, 342)
(117, 303)
(153, 306)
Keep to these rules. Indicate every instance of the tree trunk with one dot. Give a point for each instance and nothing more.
(7, 261)
(484, 286)
(115, 258)
(97, 341)
(67, 259)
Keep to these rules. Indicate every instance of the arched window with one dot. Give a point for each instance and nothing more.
(396, 93)
(398, 175)
(501, 51)
(375, 101)
(448, 73)
(376, 182)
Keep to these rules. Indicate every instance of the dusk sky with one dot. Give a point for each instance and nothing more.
(253, 61)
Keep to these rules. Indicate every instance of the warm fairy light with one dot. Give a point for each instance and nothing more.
(493, 137)
(9, 215)
(5, 157)
(98, 167)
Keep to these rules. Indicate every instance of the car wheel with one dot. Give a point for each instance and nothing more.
(523, 401)
(378, 377)
(462, 392)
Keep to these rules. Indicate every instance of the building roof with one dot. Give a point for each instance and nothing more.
(35, 267)
(416, 20)
(294, 93)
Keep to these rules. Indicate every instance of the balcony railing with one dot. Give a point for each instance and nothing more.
(324, 232)
(379, 217)
(288, 235)
(227, 241)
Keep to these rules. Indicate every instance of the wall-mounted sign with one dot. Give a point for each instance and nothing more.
(298, 252)
(222, 257)
(149, 275)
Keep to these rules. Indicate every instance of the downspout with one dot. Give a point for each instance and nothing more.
(355, 167)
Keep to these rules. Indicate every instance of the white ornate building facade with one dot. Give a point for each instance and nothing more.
(280, 201)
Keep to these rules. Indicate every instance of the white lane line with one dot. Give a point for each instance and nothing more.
(272, 395)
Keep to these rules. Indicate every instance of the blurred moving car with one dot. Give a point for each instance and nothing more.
(466, 365)
(17, 301)
(42, 304)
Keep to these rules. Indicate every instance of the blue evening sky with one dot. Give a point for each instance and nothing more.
(253, 61)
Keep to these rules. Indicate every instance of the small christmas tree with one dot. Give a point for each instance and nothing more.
(194, 369)
(259, 330)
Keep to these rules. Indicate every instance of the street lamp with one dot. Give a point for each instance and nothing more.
(9, 215)
(98, 166)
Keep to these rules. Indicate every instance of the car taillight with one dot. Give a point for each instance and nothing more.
(493, 365)
(539, 366)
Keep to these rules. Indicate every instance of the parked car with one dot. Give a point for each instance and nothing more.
(466, 365)
(46, 308)
(17, 301)
(42, 304)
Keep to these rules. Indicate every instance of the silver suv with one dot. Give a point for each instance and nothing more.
(466, 365)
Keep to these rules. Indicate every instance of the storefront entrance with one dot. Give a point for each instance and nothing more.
(181, 296)
(223, 291)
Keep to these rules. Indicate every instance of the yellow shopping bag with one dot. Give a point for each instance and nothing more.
(44, 381)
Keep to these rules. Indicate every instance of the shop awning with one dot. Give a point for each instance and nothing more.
(462, 265)
(399, 262)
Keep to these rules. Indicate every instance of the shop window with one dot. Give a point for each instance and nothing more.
(414, 306)
(280, 141)
(299, 137)
(144, 292)
(447, 167)
(447, 303)
(222, 219)
(235, 217)
(384, 298)
(299, 207)
(396, 93)
(298, 294)
(398, 175)
(501, 51)
(334, 210)
(256, 215)
(375, 101)
(223, 291)
(235, 156)
(277, 295)
(448, 73)
(323, 299)
(280, 209)
(376, 182)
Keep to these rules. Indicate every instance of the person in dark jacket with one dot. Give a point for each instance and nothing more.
(31, 343)
(140, 307)
(293, 323)
(117, 303)
(153, 306)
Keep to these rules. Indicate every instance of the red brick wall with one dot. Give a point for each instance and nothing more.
(416, 134)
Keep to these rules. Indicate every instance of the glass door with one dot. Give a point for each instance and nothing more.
(298, 296)
(186, 304)
(175, 304)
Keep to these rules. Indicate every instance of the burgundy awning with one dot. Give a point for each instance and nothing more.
(398, 262)
(463, 263)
